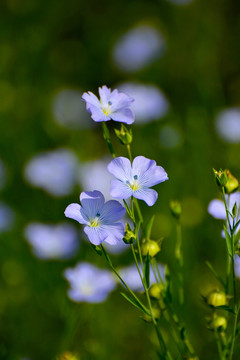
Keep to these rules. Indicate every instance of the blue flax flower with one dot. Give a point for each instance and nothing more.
(135, 179)
(89, 283)
(112, 105)
(216, 208)
(100, 218)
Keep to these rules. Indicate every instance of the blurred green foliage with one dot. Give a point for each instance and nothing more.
(46, 46)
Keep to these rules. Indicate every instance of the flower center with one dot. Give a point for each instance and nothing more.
(107, 109)
(86, 289)
(94, 222)
(134, 185)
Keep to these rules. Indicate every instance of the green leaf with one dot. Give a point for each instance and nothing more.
(97, 249)
(225, 307)
(236, 225)
(168, 286)
(147, 271)
(149, 227)
(135, 303)
(228, 241)
(218, 277)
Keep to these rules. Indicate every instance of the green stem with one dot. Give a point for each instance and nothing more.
(129, 152)
(179, 257)
(106, 135)
(121, 279)
(219, 345)
(138, 210)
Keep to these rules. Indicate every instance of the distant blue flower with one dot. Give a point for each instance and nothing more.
(135, 180)
(7, 217)
(52, 241)
(131, 276)
(100, 219)
(112, 105)
(216, 208)
(88, 283)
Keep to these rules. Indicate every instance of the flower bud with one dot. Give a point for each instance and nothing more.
(217, 298)
(155, 290)
(220, 177)
(175, 208)
(151, 247)
(219, 323)
(156, 314)
(232, 183)
(234, 210)
(129, 235)
(124, 135)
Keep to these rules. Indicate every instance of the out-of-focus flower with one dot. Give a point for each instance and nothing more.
(100, 218)
(69, 109)
(113, 105)
(94, 175)
(89, 283)
(170, 137)
(131, 276)
(150, 103)
(237, 265)
(52, 241)
(116, 249)
(53, 171)
(228, 125)
(3, 174)
(7, 217)
(217, 298)
(138, 48)
(135, 180)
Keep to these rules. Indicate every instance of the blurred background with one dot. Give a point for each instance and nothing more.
(179, 59)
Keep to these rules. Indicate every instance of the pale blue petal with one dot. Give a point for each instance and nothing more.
(235, 197)
(120, 100)
(105, 94)
(73, 211)
(121, 168)
(95, 235)
(237, 266)
(97, 114)
(115, 233)
(216, 208)
(92, 203)
(120, 190)
(149, 174)
(112, 211)
(124, 115)
(148, 195)
(91, 99)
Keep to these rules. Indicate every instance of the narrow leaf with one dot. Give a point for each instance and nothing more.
(225, 307)
(134, 303)
(218, 277)
(149, 227)
(147, 270)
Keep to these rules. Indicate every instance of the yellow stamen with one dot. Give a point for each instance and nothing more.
(94, 222)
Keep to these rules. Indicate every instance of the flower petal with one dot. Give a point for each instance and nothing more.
(115, 233)
(120, 190)
(105, 94)
(112, 211)
(97, 114)
(148, 195)
(120, 100)
(120, 167)
(91, 99)
(96, 235)
(124, 115)
(148, 172)
(216, 208)
(73, 211)
(235, 197)
(92, 203)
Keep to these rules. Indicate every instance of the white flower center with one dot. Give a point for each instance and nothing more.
(86, 289)
(95, 222)
(134, 184)
(106, 109)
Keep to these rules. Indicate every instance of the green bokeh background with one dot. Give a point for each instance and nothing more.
(46, 46)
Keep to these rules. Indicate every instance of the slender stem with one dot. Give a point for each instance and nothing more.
(138, 210)
(106, 135)
(129, 152)
(121, 279)
(219, 345)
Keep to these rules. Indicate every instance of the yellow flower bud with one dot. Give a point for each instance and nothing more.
(129, 235)
(219, 323)
(151, 247)
(217, 298)
(155, 290)
(156, 314)
(220, 177)
(175, 208)
(232, 183)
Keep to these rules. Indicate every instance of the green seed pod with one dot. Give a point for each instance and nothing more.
(155, 290)
(232, 183)
(175, 208)
(219, 323)
(220, 177)
(156, 314)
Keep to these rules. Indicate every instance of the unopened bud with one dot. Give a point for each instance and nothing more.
(232, 183)
(175, 208)
(151, 247)
(129, 235)
(124, 135)
(217, 298)
(155, 290)
(220, 177)
(219, 323)
(156, 314)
